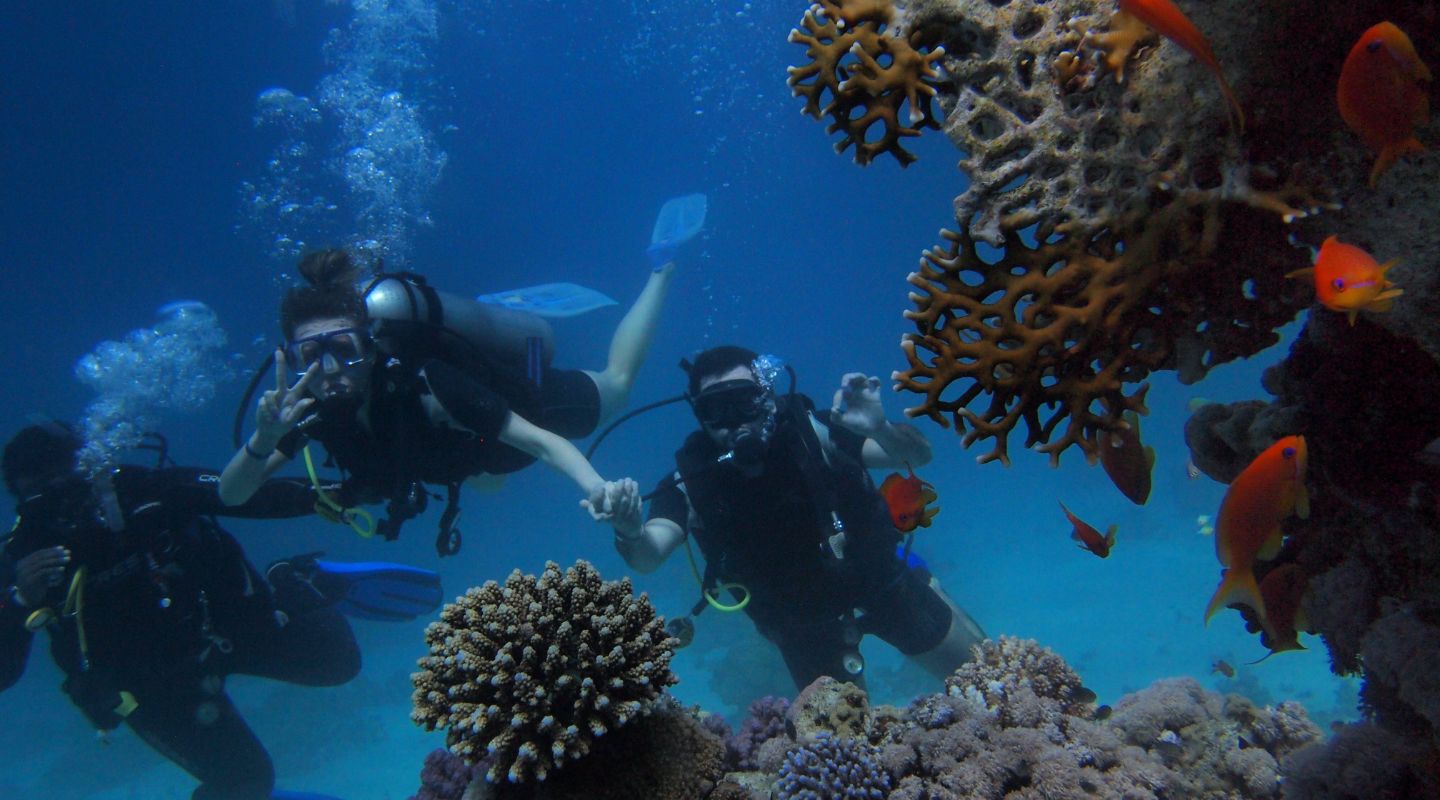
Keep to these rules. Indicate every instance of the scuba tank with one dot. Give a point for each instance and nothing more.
(407, 313)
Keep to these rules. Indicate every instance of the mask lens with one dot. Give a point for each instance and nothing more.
(730, 404)
(347, 346)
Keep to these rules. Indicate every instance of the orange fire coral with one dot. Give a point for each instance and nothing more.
(869, 71)
(1052, 330)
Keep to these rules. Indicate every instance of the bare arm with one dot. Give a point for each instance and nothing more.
(895, 445)
(644, 546)
(277, 413)
(557, 452)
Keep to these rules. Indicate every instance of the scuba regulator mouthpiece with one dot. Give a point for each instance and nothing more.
(748, 452)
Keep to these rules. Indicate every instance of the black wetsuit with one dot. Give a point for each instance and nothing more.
(401, 446)
(171, 606)
(771, 533)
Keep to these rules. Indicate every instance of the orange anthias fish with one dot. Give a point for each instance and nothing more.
(1127, 461)
(1384, 94)
(1089, 538)
(907, 499)
(1282, 590)
(1348, 279)
(1170, 22)
(1258, 500)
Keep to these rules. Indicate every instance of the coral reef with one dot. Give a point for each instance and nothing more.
(529, 674)
(1103, 167)
(1052, 330)
(1363, 760)
(665, 754)
(830, 768)
(1014, 724)
(445, 777)
(766, 721)
(869, 71)
(1363, 396)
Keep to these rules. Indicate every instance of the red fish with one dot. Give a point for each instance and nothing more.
(1384, 94)
(1127, 461)
(907, 499)
(1260, 498)
(1348, 279)
(1170, 22)
(1282, 590)
(1089, 538)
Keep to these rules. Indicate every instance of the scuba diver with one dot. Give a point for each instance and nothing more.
(406, 386)
(790, 524)
(150, 604)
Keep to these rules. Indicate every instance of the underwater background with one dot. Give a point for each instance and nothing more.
(148, 158)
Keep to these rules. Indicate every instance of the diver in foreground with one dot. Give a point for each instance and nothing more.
(149, 604)
(777, 496)
(407, 386)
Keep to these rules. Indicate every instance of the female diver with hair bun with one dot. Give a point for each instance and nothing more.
(406, 385)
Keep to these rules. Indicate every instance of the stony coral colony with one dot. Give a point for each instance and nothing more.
(1127, 211)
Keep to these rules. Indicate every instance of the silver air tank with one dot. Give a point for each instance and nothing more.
(497, 330)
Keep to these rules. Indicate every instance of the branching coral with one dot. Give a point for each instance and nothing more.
(1051, 331)
(1020, 682)
(833, 769)
(869, 73)
(665, 754)
(532, 672)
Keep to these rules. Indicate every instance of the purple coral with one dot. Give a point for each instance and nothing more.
(766, 721)
(444, 776)
(833, 769)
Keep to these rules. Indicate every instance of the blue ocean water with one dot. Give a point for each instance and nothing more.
(148, 159)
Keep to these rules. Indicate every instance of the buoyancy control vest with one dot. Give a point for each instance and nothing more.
(806, 537)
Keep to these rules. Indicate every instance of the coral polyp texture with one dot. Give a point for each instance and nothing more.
(1134, 231)
(869, 72)
(830, 768)
(526, 675)
(1050, 331)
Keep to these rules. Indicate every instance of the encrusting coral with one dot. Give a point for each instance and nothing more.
(1133, 234)
(529, 674)
(869, 73)
(1016, 724)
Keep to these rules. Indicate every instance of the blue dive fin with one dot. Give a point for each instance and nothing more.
(550, 299)
(284, 795)
(680, 219)
(379, 590)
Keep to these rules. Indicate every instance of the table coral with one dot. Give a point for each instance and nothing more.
(529, 674)
(869, 73)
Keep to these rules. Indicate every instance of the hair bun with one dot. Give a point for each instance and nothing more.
(328, 269)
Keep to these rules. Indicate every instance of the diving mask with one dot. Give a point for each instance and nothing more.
(730, 404)
(334, 350)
